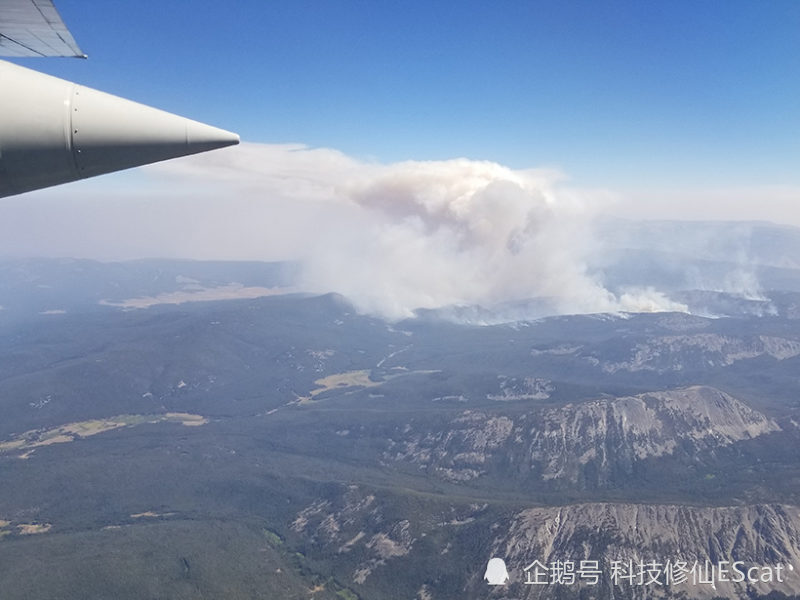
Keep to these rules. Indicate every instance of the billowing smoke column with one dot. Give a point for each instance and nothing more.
(463, 232)
(399, 237)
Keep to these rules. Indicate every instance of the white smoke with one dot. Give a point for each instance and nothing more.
(399, 237)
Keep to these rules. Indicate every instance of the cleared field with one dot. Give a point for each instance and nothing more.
(26, 443)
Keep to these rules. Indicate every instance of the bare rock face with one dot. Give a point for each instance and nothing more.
(586, 550)
(669, 353)
(705, 541)
(354, 523)
(610, 434)
(637, 427)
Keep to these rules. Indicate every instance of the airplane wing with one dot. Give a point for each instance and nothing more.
(34, 28)
(54, 131)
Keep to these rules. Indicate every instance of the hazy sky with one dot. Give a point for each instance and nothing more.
(667, 109)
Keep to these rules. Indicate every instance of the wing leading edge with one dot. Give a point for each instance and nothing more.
(34, 28)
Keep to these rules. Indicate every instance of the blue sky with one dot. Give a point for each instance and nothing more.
(630, 94)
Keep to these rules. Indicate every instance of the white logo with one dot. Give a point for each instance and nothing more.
(496, 572)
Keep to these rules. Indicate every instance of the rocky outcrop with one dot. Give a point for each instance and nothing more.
(700, 540)
(673, 352)
(354, 523)
(609, 433)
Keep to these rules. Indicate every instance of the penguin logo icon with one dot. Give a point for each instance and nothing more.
(496, 572)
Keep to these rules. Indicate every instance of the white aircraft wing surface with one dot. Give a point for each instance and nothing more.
(34, 28)
(54, 131)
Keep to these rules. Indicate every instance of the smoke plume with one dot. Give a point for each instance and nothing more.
(427, 234)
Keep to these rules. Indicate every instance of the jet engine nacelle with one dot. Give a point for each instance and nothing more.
(53, 131)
